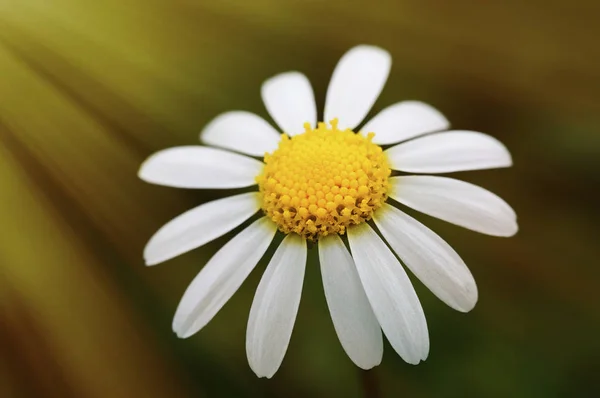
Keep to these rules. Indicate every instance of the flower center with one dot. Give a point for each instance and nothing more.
(323, 181)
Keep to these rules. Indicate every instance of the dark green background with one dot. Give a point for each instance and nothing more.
(89, 89)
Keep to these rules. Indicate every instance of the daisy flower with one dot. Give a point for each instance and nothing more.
(320, 183)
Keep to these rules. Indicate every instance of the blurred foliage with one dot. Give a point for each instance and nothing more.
(89, 89)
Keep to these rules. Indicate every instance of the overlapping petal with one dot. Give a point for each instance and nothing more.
(429, 257)
(241, 131)
(221, 277)
(200, 167)
(355, 84)
(449, 152)
(275, 306)
(456, 201)
(352, 315)
(403, 121)
(200, 225)
(390, 293)
(290, 101)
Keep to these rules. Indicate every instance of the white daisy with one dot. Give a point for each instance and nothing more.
(318, 182)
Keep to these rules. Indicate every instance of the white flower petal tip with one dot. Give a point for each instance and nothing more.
(390, 293)
(200, 167)
(355, 323)
(457, 202)
(355, 84)
(449, 152)
(404, 120)
(199, 226)
(429, 257)
(221, 277)
(241, 131)
(275, 306)
(290, 100)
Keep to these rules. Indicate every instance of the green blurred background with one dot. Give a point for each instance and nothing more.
(89, 89)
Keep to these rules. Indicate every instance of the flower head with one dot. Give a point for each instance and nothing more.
(323, 182)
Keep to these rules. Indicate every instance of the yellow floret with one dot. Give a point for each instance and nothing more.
(323, 181)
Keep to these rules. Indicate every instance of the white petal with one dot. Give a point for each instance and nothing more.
(221, 277)
(429, 257)
(390, 293)
(290, 101)
(241, 131)
(352, 315)
(449, 152)
(404, 120)
(355, 84)
(200, 225)
(200, 167)
(275, 306)
(456, 201)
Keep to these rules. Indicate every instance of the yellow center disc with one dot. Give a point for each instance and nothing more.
(323, 181)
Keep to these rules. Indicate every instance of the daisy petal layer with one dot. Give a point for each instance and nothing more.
(449, 152)
(457, 202)
(352, 315)
(200, 167)
(242, 132)
(404, 120)
(290, 100)
(355, 84)
(429, 257)
(275, 306)
(390, 293)
(199, 226)
(221, 277)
